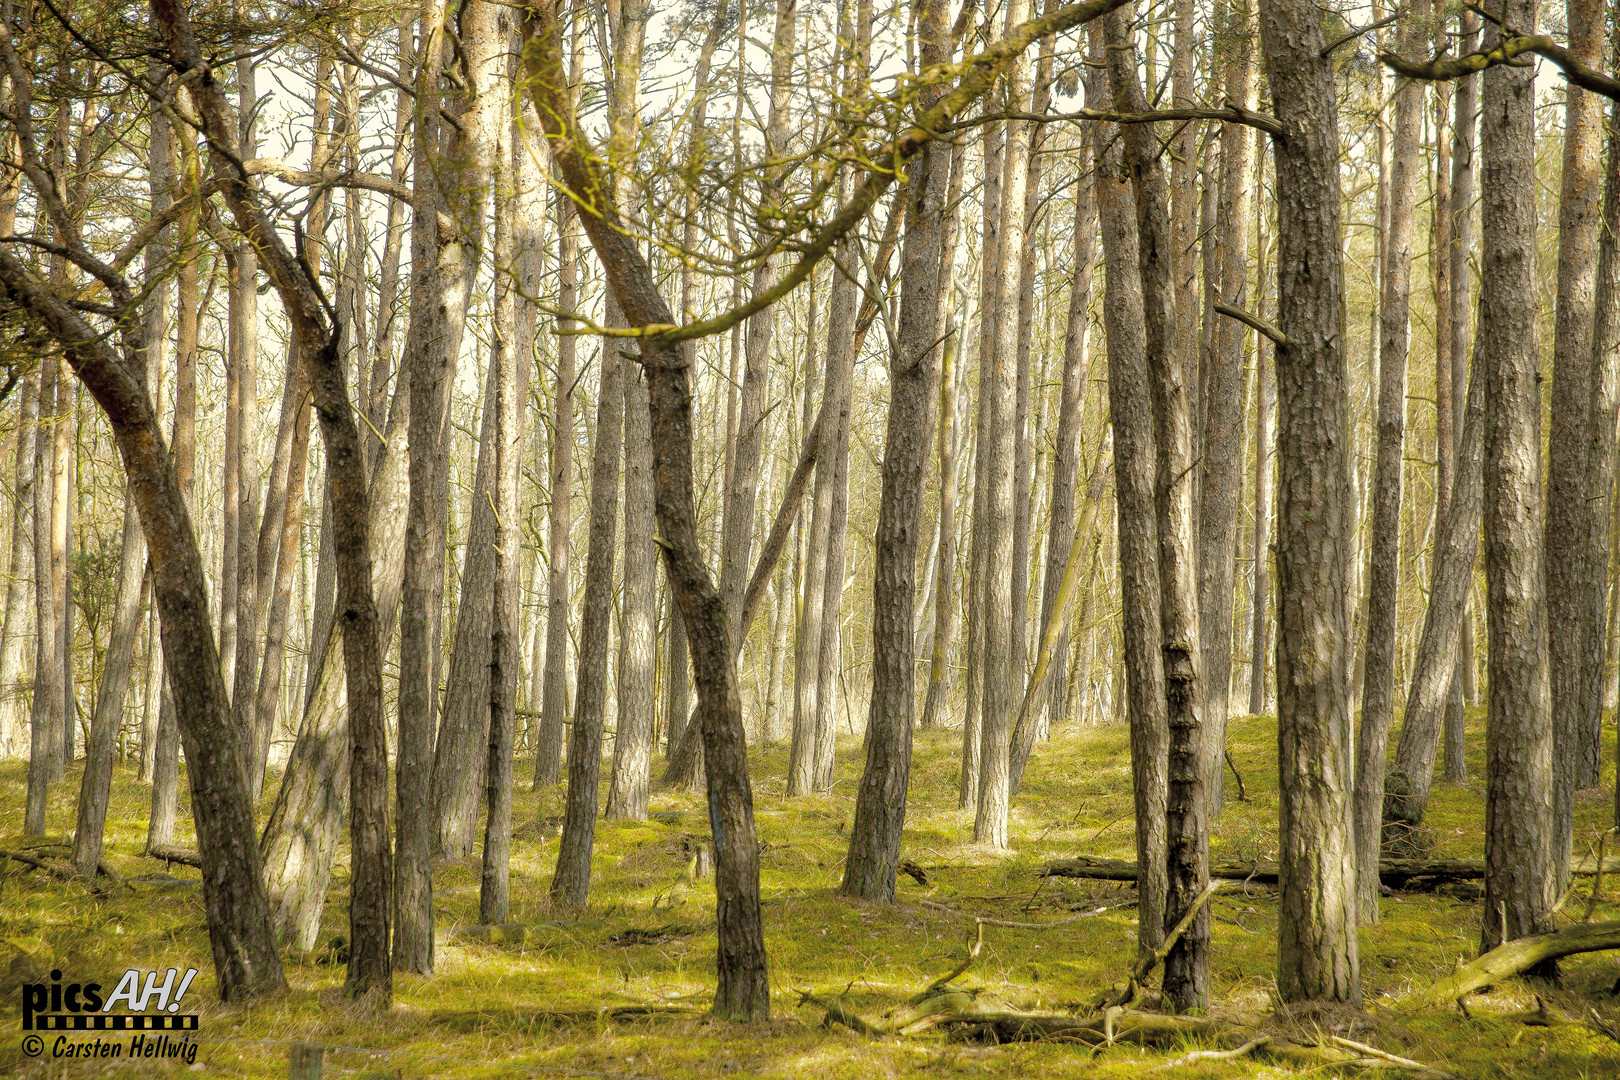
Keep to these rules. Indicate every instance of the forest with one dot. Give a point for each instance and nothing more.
(615, 539)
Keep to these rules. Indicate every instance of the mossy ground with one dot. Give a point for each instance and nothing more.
(499, 1011)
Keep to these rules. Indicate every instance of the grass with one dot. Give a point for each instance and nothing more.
(534, 1009)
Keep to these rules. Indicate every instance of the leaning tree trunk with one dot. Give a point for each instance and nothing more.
(1519, 827)
(743, 991)
(1130, 409)
(1383, 585)
(1316, 942)
(1072, 387)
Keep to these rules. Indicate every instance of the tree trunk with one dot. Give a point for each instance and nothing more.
(1220, 393)
(1463, 141)
(993, 147)
(440, 292)
(95, 785)
(880, 804)
(1383, 584)
(1130, 409)
(1072, 387)
(1003, 677)
(44, 717)
(1520, 882)
(628, 787)
(1317, 956)
(554, 706)
(1573, 504)
(1186, 966)
(1600, 627)
(22, 565)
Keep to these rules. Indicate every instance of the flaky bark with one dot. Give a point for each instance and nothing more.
(1317, 956)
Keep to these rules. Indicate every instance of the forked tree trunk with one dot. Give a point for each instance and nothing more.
(1317, 955)
(1519, 827)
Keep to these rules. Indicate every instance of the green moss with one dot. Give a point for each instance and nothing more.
(648, 941)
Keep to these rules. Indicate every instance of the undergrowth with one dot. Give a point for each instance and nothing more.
(538, 1008)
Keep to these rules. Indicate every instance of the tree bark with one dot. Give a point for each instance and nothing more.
(1464, 139)
(1220, 393)
(880, 804)
(44, 716)
(1072, 388)
(1317, 956)
(1003, 677)
(1573, 503)
(1186, 966)
(1520, 882)
(1130, 409)
(1383, 583)
(457, 164)
(21, 563)
(559, 518)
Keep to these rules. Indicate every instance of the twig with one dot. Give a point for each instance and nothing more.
(956, 972)
(1383, 1055)
(1009, 924)
(1215, 1055)
(1597, 882)
(1254, 322)
(1243, 795)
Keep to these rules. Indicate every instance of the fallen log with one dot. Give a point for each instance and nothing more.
(1394, 873)
(1513, 957)
(171, 854)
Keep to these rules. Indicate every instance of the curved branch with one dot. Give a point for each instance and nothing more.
(1252, 321)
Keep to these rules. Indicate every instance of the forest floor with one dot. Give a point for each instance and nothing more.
(537, 1008)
